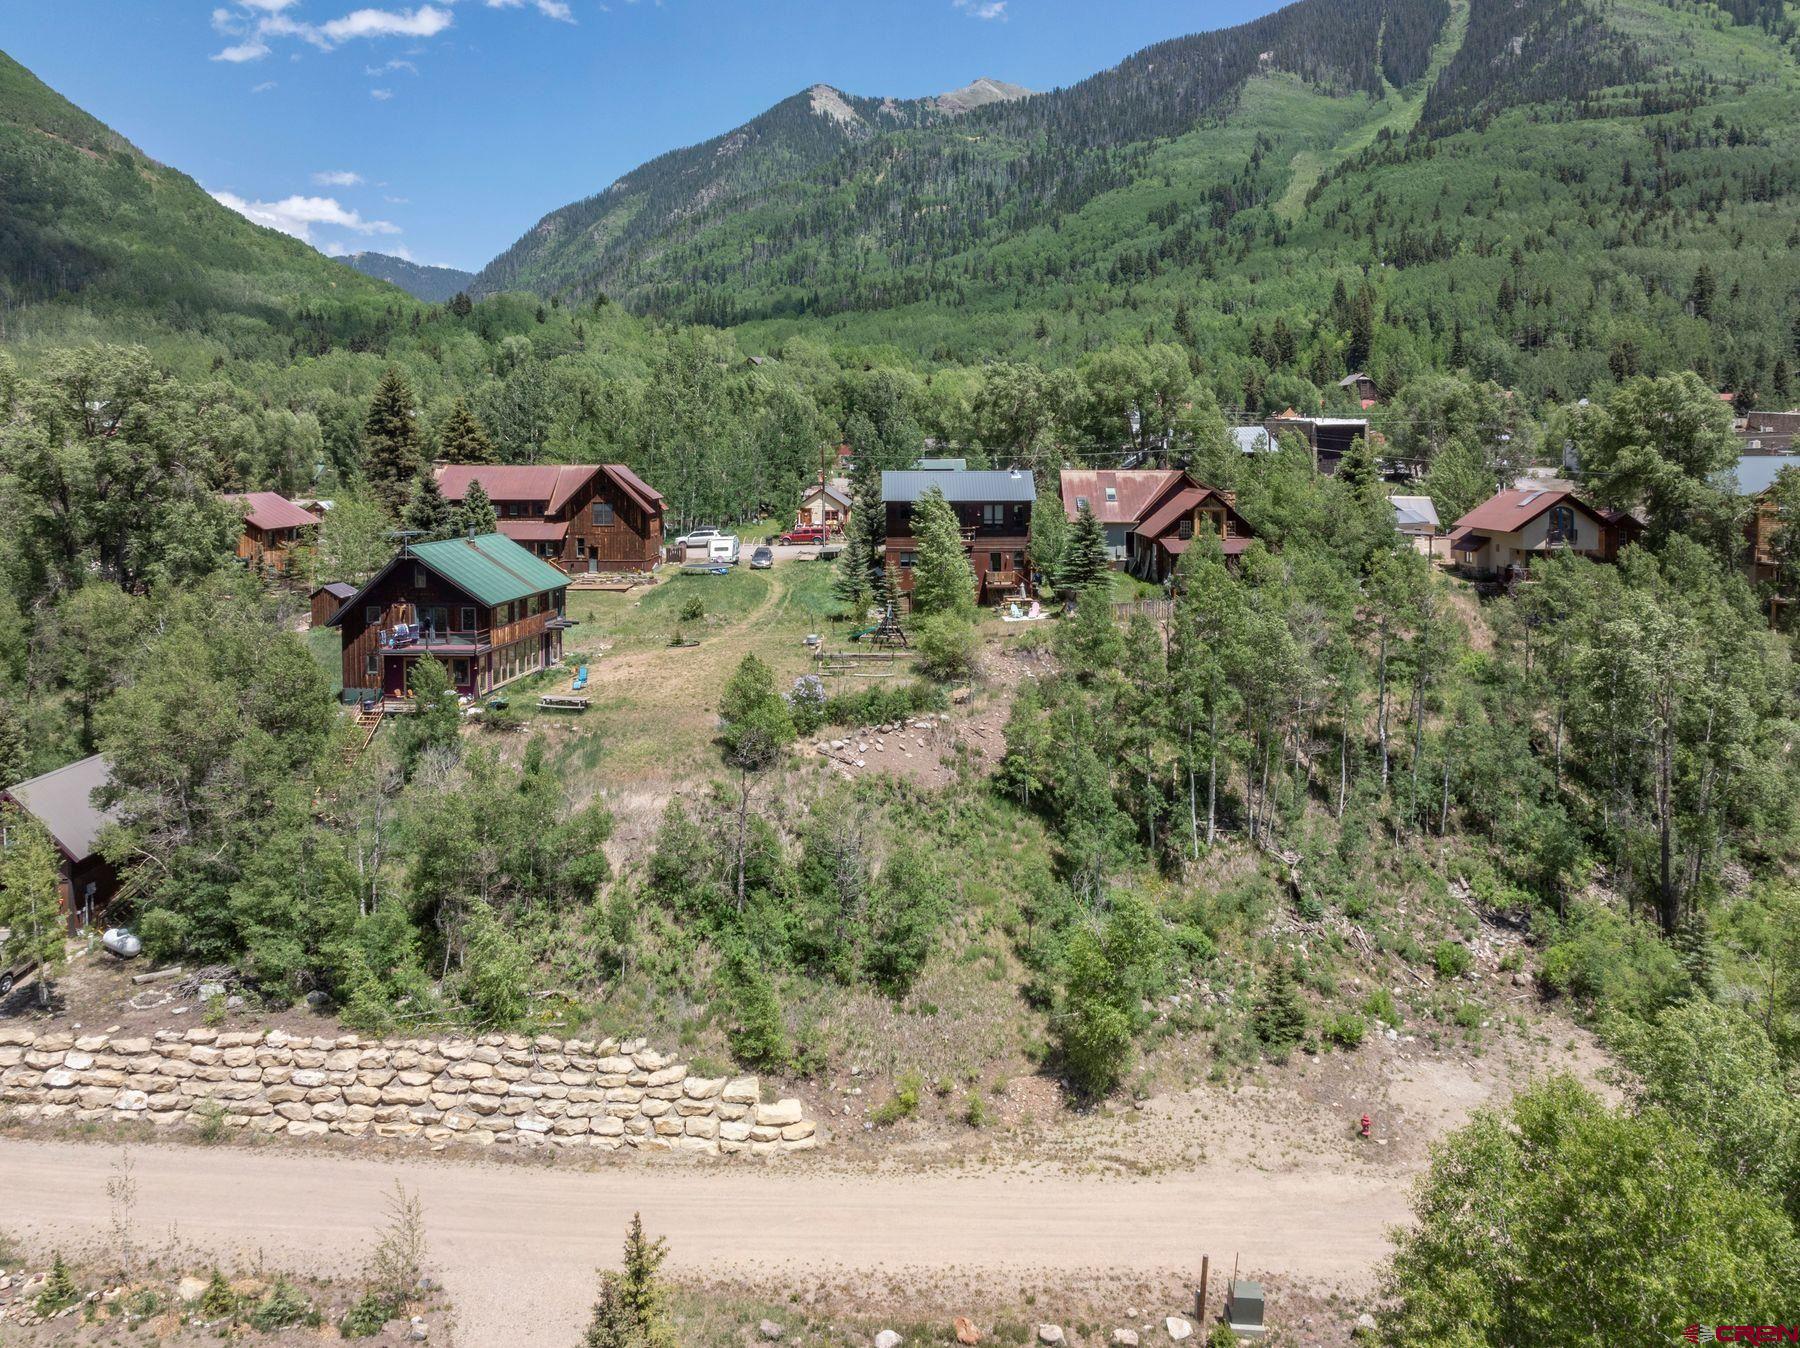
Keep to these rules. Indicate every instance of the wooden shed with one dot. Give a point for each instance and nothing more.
(328, 599)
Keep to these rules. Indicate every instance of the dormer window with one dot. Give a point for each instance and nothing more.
(1112, 496)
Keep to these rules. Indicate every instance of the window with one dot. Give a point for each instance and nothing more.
(1019, 562)
(993, 515)
(906, 559)
(372, 614)
(537, 605)
(581, 549)
(1562, 524)
(1081, 503)
(603, 513)
(418, 578)
(1112, 496)
(1187, 527)
(468, 618)
(372, 668)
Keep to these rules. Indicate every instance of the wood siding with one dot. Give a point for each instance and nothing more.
(998, 552)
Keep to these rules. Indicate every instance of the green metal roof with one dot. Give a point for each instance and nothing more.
(490, 568)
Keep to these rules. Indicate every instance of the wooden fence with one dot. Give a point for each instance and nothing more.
(1157, 609)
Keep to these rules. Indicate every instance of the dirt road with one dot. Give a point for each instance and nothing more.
(517, 1247)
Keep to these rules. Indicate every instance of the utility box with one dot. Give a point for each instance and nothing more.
(1244, 1310)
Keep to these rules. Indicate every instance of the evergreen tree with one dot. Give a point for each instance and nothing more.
(865, 538)
(476, 514)
(1279, 1017)
(30, 899)
(427, 513)
(853, 584)
(462, 438)
(1085, 564)
(633, 1307)
(1357, 470)
(1700, 294)
(15, 747)
(392, 457)
(943, 579)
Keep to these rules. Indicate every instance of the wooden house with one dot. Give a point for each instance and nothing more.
(487, 608)
(1766, 432)
(582, 518)
(63, 802)
(274, 529)
(1178, 510)
(1362, 388)
(328, 599)
(825, 505)
(1500, 536)
(1327, 437)
(994, 510)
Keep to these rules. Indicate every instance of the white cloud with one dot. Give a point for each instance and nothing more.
(551, 9)
(297, 215)
(253, 49)
(982, 9)
(263, 88)
(267, 6)
(381, 95)
(338, 178)
(387, 67)
(425, 21)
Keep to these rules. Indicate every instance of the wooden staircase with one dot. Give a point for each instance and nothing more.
(368, 721)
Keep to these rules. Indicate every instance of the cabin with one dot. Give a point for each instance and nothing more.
(1500, 536)
(328, 599)
(1362, 388)
(994, 510)
(1171, 517)
(1119, 499)
(1766, 432)
(824, 505)
(1328, 438)
(63, 802)
(584, 519)
(488, 609)
(274, 529)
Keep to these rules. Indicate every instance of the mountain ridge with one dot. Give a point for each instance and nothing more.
(421, 280)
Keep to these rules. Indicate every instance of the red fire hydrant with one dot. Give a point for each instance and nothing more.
(1367, 1123)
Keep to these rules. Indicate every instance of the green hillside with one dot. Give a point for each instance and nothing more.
(434, 285)
(1546, 179)
(95, 236)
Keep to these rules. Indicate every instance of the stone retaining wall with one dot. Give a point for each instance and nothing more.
(499, 1089)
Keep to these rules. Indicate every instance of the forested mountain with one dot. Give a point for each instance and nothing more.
(730, 173)
(89, 219)
(434, 285)
(1416, 149)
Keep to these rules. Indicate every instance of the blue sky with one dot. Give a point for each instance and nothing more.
(443, 130)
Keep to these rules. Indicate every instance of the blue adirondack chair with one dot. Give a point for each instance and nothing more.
(580, 680)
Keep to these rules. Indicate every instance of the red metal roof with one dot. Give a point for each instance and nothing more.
(1133, 490)
(271, 510)
(535, 531)
(1173, 509)
(552, 483)
(649, 499)
(1510, 511)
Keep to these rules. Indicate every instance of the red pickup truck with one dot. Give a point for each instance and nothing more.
(804, 533)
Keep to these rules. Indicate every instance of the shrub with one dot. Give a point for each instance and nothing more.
(282, 1308)
(902, 1104)
(806, 703)
(692, 609)
(1452, 959)
(368, 1315)
(875, 706)
(218, 1301)
(1379, 1005)
(756, 1033)
(59, 1288)
(946, 646)
(976, 1112)
(1346, 1030)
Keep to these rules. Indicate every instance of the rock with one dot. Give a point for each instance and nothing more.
(1125, 1338)
(1178, 1328)
(318, 1000)
(770, 1331)
(781, 1114)
(888, 1339)
(190, 1289)
(965, 1330)
(1365, 1321)
(1050, 1334)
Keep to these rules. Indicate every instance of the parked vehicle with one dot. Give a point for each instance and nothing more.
(762, 559)
(700, 536)
(12, 969)
(723, 550)
(805, 533)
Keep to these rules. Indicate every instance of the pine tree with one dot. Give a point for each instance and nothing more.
(30, 897)
(462, 438)
(15, 749)
(1700, 294)
(476, 515)
(391, 454)
(633, 1307)
(428, 514)
(1184, 323)
(1279, 1017)
(1459, 355)
(1357, 470)
(865, 537)
(853, 585)
(1085, 563)
(943, 580)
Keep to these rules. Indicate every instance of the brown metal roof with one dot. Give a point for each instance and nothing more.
(1134, 489)
(62, 801)
(1173, 509)
(535, 531)
(272, 510)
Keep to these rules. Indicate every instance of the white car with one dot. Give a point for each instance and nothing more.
(699, 537)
